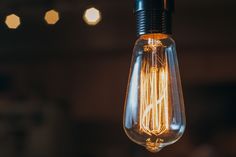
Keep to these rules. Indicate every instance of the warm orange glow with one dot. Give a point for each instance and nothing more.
(156, 36)
(12, 21)
(154, 105)
(51, 17)
(92, 16)
(154, 118)
(154, 108)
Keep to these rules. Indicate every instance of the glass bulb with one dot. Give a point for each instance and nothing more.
(154, 114)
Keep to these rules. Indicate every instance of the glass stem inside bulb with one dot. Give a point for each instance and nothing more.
(154, 116)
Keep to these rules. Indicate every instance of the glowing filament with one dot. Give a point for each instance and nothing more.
(154, 117)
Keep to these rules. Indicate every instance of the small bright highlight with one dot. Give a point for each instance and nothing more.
(92, 16)
(12, 21)
(51, 17)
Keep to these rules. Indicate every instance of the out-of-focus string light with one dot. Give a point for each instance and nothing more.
(12, 21)
(51, 17)
(92, 16)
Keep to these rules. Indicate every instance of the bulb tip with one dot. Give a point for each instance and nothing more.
(153, 147)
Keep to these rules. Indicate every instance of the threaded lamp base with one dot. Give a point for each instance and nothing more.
(153, 21)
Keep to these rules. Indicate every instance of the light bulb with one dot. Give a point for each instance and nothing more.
(154, 115)
(154, 108)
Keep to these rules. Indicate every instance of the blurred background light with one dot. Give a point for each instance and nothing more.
(92, 16)
(51, 17)
(12, 21)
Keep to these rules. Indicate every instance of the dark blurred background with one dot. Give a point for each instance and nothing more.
(62, 86)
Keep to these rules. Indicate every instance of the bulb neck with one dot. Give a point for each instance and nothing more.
(154, 16)
(156, 36)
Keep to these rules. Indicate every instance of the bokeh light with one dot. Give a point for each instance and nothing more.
(12, 21)
(92, 16)
(51, 17)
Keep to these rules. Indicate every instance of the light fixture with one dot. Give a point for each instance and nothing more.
(154, 115)
(92, 16)
(12, 21)
(51, 17)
